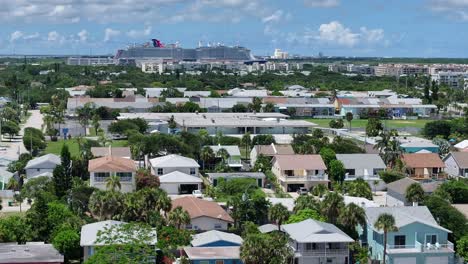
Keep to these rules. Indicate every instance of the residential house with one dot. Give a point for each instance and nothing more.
(415, 146)
(89, 239)
(177, 174)
(462, 145)
(296, 171)
(457, 164)
(213, 255)
(419, 238)
(215, 238)
(258, 176)
(30, 253)
(122, 152)
(42, 166)
(365, 166)
(316, 242)
(269, 151)
(101, 169)
(204, 215)
(423, 166)
(5, 177)
(234, 159)
(396, 191)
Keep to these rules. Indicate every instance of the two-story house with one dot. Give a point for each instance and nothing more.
(177, 174)
(204, 215)
(396, 191)
(423, 166)
(364, 166)
(42, 166)
(419, 238)
(457, 164)
(316, 242)
(101, 169)
(234, 159)
(269, 151)
(296, 171)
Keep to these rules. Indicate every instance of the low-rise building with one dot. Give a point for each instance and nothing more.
(101, 169)
(213, 255)
(204, 215)
(177, 182)
(396, 191)
(30, 253)
(316, 242)
(457, 164)
(258, 176)
(269, 151)
(423, 166)
(365, 166)
(42, 166)
(297, 171)
(234, 159)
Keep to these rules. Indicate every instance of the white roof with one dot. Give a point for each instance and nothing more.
(173, 161)
(287, 202)
(423, 151)
(312, 231)
(48, 158)
(267, 228)
(232, 150)
(179, 177)
(213, 236)
(360, 201)
(89, 233)
(462, 145)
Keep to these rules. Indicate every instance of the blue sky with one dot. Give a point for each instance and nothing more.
(407, 28)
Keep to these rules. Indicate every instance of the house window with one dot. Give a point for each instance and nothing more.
(435, 170)
(124, 176)
(431, 238)
(192, 171)
(218, 226)
(101, 176)
(38, 169)
(377, 237)
(160, 171)
(308, 246)
(400, 241)
(289, 172)
(351, 172)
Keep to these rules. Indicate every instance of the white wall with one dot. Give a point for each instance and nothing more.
(185, 170)
(208, 223)
(451, 166)
(125, 186)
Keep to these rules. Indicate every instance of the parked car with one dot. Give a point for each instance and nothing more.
(197, 193)
(302, 191)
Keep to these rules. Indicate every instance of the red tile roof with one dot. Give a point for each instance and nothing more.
(422, 160)
(111, 164)
(197, 208)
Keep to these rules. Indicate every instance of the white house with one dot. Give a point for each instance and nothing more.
(177, 182)
(101, 169)
(457, 164)
(42, 166)
(364, 166)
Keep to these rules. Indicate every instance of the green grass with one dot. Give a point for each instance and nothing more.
(361, 123)
(55, 147)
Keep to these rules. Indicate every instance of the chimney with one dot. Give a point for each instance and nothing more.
(274, 148)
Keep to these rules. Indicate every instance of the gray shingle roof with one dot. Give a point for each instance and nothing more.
(39, 161)
(213, 236)
(312, 231)
(401, 185)
(233, 150)
(361, 161)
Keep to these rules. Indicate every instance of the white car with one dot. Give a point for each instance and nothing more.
(197, 193)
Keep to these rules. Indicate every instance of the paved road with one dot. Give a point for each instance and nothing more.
(16, 145)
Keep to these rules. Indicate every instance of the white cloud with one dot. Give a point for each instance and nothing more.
(322, 3)
(140, 33)
(275, 17)
(110, 33)
(16, 35)
(335, 32)
(83, 35)
(372, 35)
(31, 36)
(453, 9)
(53, 36)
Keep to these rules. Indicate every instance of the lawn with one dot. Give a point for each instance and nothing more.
(361, 123)
(55, 147)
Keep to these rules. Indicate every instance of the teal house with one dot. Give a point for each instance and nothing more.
(419, 239)
(215, 238)
(419, 147)
(213, 255)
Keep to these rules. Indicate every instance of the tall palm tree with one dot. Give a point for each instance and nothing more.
(414, 193)
(13, 184)
(206, 155)
(349, 117)
(179, 217)
(163, 202)
(113, 182)
(332, 205)
(386, 223)
(278, 213)
(351, 216)
(246, 141)
(223, 154)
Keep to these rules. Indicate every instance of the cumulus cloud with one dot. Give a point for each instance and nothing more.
(139, 33)
(372, 35)
(53, 36)
(83, 35)
(110, 33)
(337, 33)
(16, 35)
(454, 9)
(275, 17)
(322, 3)
(31, 36)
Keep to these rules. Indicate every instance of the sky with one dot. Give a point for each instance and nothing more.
(384, 28)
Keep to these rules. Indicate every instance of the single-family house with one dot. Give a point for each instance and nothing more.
(316, 242)
(29, 253)
(365, 166)
(41, 165)
(213, 255)
(296, 171)
(90, 239)
(396, 191)
(122, 152)
(423, 166)
(269, 151)
(173, 162)
(457, 164)
(234, 158)
(258, 176)
(101, 169)
(462, 145)
(418, 146)
(204, 215)
(177, 182)
(215, 238)
(418, 239)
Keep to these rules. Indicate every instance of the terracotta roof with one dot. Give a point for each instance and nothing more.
(268, 150)
(198, 208)
(111, 164)
(461, 158)
(422, 160)
(293, 162)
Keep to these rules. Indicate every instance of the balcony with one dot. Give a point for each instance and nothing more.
(419, 248)
(364, 177)
(295, 178)
(324, 252)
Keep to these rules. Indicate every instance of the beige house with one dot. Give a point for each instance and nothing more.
(424, 166)
(296, 171)
(101, 169)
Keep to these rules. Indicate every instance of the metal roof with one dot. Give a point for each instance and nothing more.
(312, 231)
(214, 236)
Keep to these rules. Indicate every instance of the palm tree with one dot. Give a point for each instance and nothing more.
(179, 217)
(349, 118)
(306, 202)
(206, 155)
(163, 202)
(95, 123)
(13, 184)
(414, 193)
(246, 141)
(278, 213)
(113, 182)
(386, 223)
(331, 206)
(223, 154)
(319, 190)
(351, 216)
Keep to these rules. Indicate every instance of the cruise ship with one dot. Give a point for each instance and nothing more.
(172, 52)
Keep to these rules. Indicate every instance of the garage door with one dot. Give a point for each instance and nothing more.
(437, 260)
(170, 188)
(405, 261)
